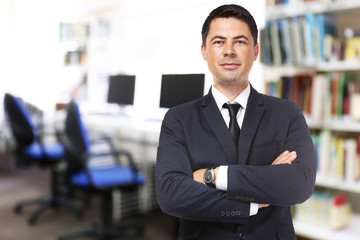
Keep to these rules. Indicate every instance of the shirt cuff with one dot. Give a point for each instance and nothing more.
(221, 178)
(254, 207)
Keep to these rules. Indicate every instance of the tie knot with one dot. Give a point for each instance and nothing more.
(233, 108)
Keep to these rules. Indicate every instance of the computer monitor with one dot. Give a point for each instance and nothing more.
(121, 89)
(180, 88)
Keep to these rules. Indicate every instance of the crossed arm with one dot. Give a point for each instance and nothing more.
(284, 158)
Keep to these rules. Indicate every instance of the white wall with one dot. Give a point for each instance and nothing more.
(151, 38)
(30, 59)
(164, 37)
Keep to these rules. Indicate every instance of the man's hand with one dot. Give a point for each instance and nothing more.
(285, 158)
(263, 205)
(198, 175)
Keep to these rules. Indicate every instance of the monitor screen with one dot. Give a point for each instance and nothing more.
(180, 88)
(121, 89)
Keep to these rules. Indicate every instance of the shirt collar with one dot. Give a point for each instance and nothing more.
(220, 99)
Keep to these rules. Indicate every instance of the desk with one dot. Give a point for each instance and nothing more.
(125, 127)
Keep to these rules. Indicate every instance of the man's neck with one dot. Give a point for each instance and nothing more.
(231, 91)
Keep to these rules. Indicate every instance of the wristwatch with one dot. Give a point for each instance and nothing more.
(209, 177)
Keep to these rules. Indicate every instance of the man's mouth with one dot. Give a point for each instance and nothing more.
(230, 65)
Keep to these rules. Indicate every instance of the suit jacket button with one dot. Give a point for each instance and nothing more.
(233, 213)
(222, 213)
(238, 213)
(228, 213)
(241, 236)
(237, 197)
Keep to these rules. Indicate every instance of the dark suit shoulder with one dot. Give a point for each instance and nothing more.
(271, 100)
(186, 109)
(282, 107)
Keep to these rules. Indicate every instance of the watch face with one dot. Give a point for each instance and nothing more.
(207, 176)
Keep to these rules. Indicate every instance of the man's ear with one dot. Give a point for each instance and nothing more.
(256, 51)
(203, 51)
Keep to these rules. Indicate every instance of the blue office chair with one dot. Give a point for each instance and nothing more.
(99, 180)
(30, 150)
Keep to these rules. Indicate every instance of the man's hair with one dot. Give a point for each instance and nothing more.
(227, 11)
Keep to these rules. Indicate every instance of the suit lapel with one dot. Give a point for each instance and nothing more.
(219, 128)
(253, 115)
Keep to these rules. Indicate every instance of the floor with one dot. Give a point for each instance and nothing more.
(18, 185)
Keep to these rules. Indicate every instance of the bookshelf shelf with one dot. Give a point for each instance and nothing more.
(291, 10)
(343, 125)
(339, 66)
(335, 124)
(351, 232)
(274, 73)
(333, 183)
(313, 124)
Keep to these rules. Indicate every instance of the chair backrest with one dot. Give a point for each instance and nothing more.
(76, 139)
(19, 120)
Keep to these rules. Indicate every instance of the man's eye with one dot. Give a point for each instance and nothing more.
(240, 42)
(218, 42)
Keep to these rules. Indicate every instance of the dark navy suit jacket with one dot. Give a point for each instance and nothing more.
(194, 135)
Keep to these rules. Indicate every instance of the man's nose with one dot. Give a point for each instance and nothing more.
(229, 50)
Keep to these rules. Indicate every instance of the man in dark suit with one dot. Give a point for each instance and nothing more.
(224, 184)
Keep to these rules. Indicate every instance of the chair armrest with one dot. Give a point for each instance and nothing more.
(116, 151)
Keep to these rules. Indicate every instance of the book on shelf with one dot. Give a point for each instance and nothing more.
(265, 51)
(285, 36)
(325, 209)
(308, 91)
(77, 32)
(309, 47)
(354, 106)
(326, 30)
(352, 50)
(275, 42)
(301, 40)
(321, 95)
(297, 40)
(75, 57)
(338, 158)
(343, 86)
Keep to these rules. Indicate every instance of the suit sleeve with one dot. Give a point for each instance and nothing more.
(283, 184)
(178, 194)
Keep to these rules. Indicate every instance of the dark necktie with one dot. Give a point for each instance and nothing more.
(233, 125)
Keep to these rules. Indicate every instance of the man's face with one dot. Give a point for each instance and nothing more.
(229, 51)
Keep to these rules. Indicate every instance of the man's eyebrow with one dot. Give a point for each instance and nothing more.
(217, 37)
(241, 36)
(222, 37)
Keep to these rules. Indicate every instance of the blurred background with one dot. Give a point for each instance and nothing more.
(148, 52)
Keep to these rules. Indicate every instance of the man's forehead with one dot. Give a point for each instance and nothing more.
(241, 29)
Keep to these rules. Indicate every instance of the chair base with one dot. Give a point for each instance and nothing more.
(45, 203)
(100, 232)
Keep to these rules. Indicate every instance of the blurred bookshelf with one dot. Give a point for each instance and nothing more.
(311, 55)
(351, 232)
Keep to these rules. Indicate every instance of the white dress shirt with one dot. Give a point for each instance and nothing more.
(242, 99)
